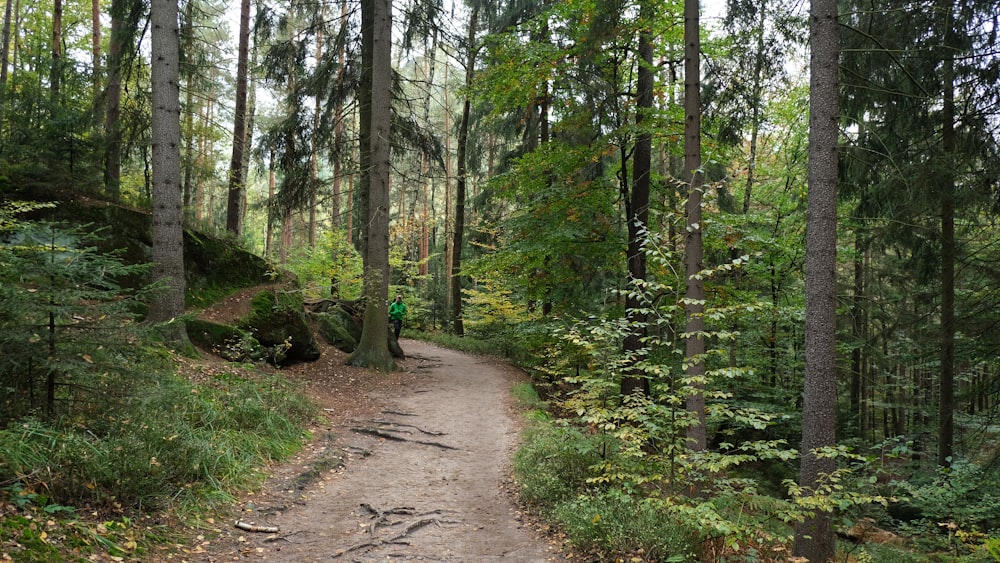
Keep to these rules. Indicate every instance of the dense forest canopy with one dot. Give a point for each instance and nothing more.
(529, 167)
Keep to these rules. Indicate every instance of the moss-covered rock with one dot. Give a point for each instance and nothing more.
(213, 266)
(333, 330)
(229, 342)
(277, 318)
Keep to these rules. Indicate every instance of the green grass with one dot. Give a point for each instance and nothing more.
(527, 397)
(173, 447)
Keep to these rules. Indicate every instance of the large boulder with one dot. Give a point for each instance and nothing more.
(231, 343)
(336, 331)
(277, 319)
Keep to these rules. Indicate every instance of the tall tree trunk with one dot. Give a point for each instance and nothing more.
(858, 327)
(234, 207)
(112, 119)
(756, 104)
(946, 407)
(189, 72)
(364, 127)
(448, 227)
(204, 118)
(95, 47)
(338, 131)
(373, 347)
(271, 183)
(5, 54)
(55, 73)
(430, 65)
(461, 177)
(314, 157)
(637, 210)
(814, 538)
(168, 232)
(694, 325)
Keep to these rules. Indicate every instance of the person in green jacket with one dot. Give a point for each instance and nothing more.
(397, 310)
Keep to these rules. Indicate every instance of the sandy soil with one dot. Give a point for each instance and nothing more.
(407, 466)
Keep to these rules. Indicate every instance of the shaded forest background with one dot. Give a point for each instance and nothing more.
(542, 198)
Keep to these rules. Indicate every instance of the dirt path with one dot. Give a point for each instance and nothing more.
(417, 473)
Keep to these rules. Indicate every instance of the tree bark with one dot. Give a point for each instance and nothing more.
(112, 116)
(814, 537)
(946, 406)
(187, 36)
(55, 73)
(315, 141)
(234, 207)
(338, 132)
(634, 381)
(95, 47)
(373, 347)
(461, 177)
(694, 325)
(167, 305)
(5, 52)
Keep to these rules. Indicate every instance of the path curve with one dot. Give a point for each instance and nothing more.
(427, 479)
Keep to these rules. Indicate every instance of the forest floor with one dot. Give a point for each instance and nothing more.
(413, 465)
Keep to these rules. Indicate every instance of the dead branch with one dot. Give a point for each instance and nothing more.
(256, 527)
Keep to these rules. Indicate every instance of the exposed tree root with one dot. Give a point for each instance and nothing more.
(380, 520)
(398, 413)
(383, 423)
(397, 433)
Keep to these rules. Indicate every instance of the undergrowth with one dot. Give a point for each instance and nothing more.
(174, 448)
(104, 443)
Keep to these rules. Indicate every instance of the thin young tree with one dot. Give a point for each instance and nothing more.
(946, 189)
(814, 537)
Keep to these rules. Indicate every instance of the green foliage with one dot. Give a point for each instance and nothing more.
(171, 444)
(94, 415)
(954, 508)
(560, 249)
(169, 441)
(640, 442)
(554, 462)
(332, 264)
(527, 397)
(992, 546)
(70, 323)
(618, 523)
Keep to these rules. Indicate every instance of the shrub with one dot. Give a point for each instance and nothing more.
(618, 523)
(172, 440)
(553, 463)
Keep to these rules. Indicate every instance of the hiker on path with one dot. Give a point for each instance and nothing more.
(397, 310)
